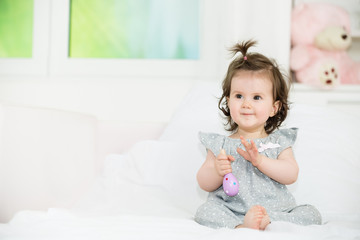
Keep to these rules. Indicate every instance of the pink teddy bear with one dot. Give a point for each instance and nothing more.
(320, 35)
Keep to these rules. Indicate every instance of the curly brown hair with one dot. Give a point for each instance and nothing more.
(259, 63)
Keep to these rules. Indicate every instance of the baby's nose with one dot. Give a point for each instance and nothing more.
(246, 104)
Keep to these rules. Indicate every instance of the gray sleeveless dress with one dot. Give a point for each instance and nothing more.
(255, 188)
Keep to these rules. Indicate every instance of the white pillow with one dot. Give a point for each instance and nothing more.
(197, 112)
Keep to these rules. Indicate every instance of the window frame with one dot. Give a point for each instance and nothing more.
(61, 64)
(38, 63)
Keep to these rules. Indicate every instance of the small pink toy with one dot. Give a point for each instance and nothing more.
(230, 183)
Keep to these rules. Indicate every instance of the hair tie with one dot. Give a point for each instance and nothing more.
(245, 58)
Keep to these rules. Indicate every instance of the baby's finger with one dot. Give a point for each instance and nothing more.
(240, 151)
(231, 158)
(222, 152)
(254, 151)
(245, 143)
(222, 155)
(225, 168)
(224, 162)
(243, 153)
(253, 145)
(224, 172)
(247, 146)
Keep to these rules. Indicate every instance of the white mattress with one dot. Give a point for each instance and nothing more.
(61, 224)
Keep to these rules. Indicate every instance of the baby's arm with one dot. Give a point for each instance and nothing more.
(283, 170)
(211, 173)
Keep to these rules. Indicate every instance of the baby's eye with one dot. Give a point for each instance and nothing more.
(257, 97)
(238, 96)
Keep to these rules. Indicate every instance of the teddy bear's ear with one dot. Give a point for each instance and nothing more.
(301, 21)
(299, 8)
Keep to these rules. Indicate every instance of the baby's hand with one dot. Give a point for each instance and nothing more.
(251, 152)
(223, 163)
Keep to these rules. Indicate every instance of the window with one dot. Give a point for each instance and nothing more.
(140, 29)
(173, 38)
(16, 28)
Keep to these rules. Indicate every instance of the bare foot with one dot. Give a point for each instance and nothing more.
(265, 221)
(253, 218)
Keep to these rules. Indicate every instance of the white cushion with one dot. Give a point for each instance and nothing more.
(47, 158)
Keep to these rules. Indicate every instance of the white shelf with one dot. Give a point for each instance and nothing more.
(351, 88)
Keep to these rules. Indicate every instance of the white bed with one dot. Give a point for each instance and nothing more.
(150, 192)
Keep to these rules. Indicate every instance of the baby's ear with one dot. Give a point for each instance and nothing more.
(275, 109)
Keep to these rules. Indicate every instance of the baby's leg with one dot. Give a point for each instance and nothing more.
(216, 215)
(302, 215)
(255, 218)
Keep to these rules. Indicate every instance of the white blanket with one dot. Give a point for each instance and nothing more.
(151, 192)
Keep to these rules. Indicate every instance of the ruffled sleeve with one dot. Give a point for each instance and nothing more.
(285, 138)
(212, 141)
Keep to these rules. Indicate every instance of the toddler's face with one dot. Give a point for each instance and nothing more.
(251, 100)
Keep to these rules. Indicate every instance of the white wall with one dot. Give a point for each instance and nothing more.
(126, 100)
